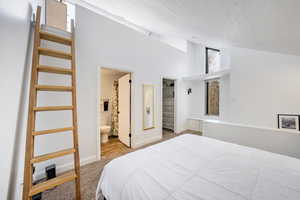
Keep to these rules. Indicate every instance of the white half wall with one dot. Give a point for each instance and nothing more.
(273, 140)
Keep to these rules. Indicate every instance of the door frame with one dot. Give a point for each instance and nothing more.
(98, 133)
(175, 79)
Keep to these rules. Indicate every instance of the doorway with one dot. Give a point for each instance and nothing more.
(168, 107)
(115, 112)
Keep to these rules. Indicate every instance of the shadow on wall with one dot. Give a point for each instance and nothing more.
(20, 135)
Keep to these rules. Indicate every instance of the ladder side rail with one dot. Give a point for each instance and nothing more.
(74, 113)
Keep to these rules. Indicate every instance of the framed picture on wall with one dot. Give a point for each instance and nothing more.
(149, 104)
(288, 121)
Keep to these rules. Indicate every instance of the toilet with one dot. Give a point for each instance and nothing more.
(105, 130)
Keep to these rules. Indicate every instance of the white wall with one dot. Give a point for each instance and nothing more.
(196, 100)
(196, 58)
(260, 85)
(113, 45)
(14, 33)
(181, 100)
(100, 42)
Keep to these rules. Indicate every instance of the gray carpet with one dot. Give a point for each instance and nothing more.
(90, 175)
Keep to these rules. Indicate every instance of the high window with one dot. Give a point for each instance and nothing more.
(70, 14)
(212, 60)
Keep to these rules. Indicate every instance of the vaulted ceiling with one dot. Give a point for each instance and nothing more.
(271, 25)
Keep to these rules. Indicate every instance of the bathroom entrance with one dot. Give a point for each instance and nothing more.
(115, 112)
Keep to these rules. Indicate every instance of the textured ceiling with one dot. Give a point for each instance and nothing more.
(271, 25)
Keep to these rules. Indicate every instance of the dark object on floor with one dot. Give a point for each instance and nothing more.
(51, 171)
(37, 196)
(105, 106)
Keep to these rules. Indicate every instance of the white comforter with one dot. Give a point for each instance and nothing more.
(191, 167)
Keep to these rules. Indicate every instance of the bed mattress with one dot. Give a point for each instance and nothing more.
(191, 167)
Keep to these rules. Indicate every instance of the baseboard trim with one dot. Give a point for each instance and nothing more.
(147, 141)
(191, 131)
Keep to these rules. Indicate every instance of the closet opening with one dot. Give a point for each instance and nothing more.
(168, 106)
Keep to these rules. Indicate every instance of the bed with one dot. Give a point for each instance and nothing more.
(191, 167)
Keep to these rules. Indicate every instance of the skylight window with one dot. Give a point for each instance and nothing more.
(70, 14)
(213, 60)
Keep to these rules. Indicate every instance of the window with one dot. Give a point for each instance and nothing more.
(212, 97)
(70, 14)
(212, 60)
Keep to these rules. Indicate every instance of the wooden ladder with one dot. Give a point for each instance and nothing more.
(28, 188)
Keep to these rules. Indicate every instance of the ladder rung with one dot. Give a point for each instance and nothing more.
(52, 155)
(55, 38)
(52, 108)
(57, 130)
(55, 70)
(54, 53)
(69, 176)
(53, 88)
